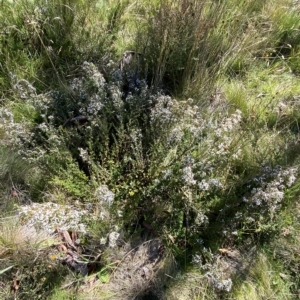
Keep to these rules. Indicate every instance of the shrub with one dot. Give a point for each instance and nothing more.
(128, 144)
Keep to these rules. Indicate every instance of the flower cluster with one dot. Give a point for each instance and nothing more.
(188, 176)
(230, 123)
(93, 74)
(210, 184)
(23, 88)
(188, 121)
(136, 136)
(114, 239)
(176, 134)
(90, 89)
(224, 138)
(115, 95)
(105, 195)
(94, 105)
(50, 216)
(216, 141)
(270, 194)
(13, 133)
(162, 112)
(214, 271)
(83, 154)
(264, 200)
(218, 283)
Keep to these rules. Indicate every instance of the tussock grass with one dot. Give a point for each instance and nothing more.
(17, 240)
(262, 282)
(25, 266)
(178, 48)
(19, 181)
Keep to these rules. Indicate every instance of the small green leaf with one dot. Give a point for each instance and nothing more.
(103, 276)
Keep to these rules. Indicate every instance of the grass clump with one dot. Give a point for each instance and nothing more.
(263, 282)
(26, 268)
(178, 48)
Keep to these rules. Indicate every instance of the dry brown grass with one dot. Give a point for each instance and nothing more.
(138, 270)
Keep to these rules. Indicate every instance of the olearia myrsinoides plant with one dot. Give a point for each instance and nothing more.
(260, 206)
(165, 160)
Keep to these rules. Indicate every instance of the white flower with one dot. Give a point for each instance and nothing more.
(188, 176)
(83, 154)
(94, 105)
(197, 259)
(105, 196)
(102, 241)
(203, 185)
(51, 216)
(113, 238)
